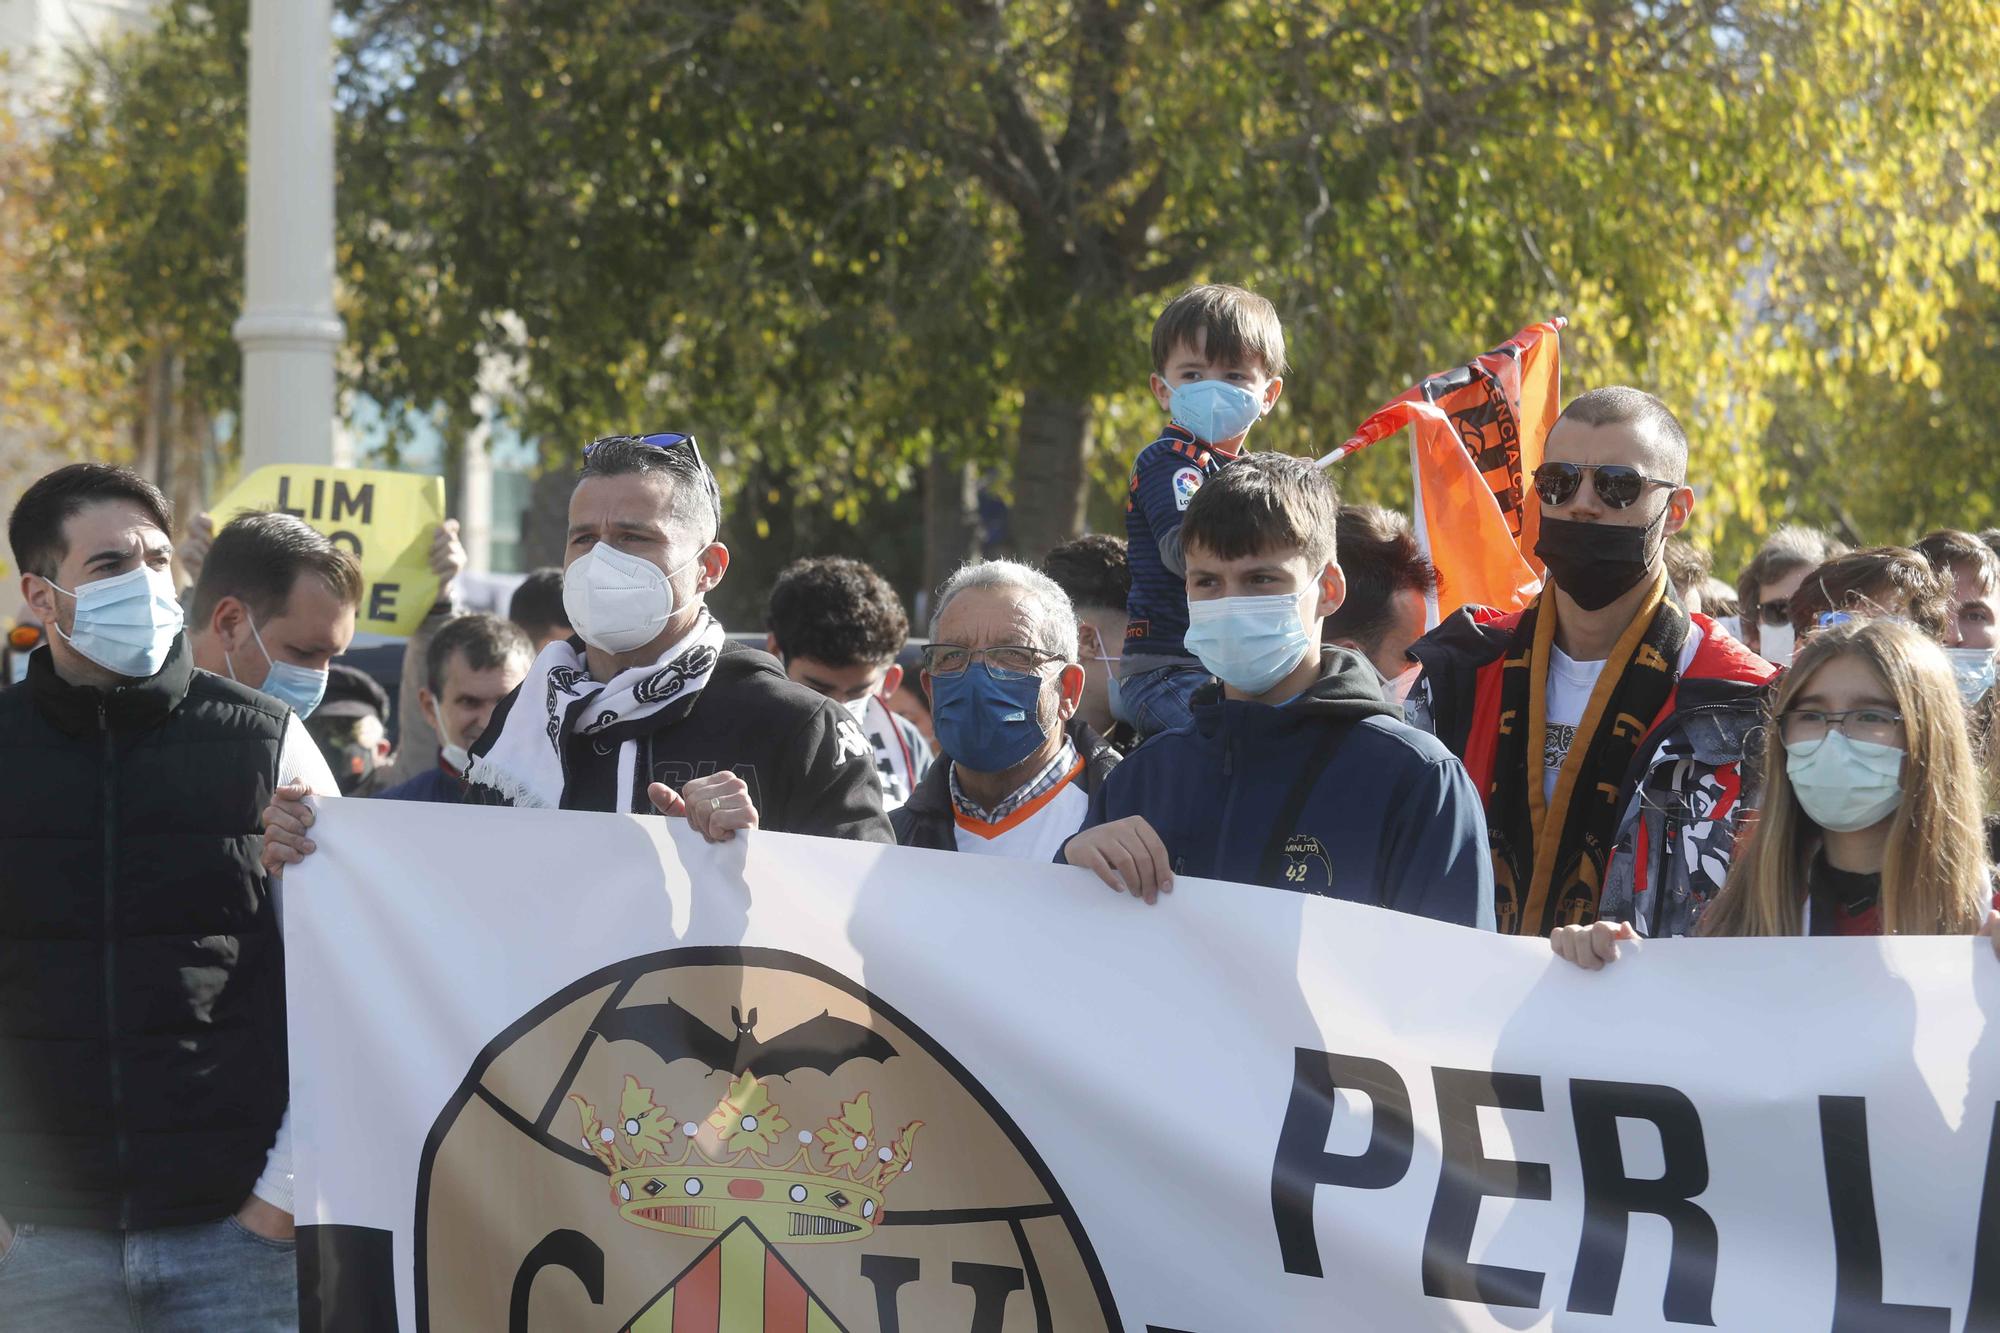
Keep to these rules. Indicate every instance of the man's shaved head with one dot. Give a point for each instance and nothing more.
(1650, 419)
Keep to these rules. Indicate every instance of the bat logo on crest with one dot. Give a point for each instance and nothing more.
(824, 1042)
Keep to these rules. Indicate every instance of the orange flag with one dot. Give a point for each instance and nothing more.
(1477, 441)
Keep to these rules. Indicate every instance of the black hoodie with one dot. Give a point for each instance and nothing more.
(1331, 793)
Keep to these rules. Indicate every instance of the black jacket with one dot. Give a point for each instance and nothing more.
(142, 1020)
(926, 819)
(809, 767)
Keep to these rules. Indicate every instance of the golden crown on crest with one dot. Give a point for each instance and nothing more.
(700, 1179)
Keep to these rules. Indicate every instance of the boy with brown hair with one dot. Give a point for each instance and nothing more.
(1218, 367)
(1295, 772)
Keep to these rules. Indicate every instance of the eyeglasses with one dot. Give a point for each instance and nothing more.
(1777, 611)
(665, 441)
(1009, 661)
(1881, 726)
(1617, 485)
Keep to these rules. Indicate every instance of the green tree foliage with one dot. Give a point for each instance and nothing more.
(50, 389)
(1884, 457)
(856, 233)
(856, 243)
(132, 263)
(1730, 202)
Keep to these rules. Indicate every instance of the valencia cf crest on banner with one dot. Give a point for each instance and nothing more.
(738, 1141)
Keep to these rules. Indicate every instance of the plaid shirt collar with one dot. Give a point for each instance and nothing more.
(1052, 773)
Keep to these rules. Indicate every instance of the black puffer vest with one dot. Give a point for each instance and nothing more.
(142, 1019)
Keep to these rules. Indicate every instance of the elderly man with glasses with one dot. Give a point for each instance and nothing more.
(1017, 767)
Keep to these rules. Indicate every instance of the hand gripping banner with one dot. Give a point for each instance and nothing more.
(1477, 440)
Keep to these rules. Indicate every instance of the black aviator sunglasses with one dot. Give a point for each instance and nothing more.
(1616, 484)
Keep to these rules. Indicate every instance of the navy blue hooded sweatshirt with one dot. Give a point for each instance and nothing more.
(1331, 793)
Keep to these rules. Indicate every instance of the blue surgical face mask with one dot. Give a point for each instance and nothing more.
(1115, 697)
(1214, 410)
(299, 687)
(126, 624)
(1974, 670)
(1248, 643)
(986, 722)
(1843, 784)
(1112, 698)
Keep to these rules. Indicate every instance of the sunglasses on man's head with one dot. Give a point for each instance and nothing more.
(1616, 484)
(665, 441)
(1777, 611)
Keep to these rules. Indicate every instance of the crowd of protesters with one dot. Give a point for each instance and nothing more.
(1246, 686)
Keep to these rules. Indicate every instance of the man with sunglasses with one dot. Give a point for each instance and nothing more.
(1604, 725)
(1764, 589)
(1018, 767)
(654, 706)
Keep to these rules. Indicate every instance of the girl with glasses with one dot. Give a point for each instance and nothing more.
(1871, 817)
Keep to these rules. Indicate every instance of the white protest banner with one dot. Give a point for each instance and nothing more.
(567, 1071)
(385, 520)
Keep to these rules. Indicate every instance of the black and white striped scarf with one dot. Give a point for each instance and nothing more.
(525, 764)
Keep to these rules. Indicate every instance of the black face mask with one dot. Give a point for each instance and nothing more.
(1595, 563)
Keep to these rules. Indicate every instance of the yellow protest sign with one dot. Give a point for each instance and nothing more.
(386, 520)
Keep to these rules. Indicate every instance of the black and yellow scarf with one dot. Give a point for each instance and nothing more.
(1544, 881)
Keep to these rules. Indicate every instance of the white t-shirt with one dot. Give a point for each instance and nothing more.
(299, 760)
(1035, 832)
(1570, 686)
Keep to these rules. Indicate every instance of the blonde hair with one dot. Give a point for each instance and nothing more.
(1934, 874)
(1984, 717)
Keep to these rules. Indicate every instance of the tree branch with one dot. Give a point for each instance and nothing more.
(1142, 213)
(1095, 147)
(1169, 272)
(1017, 160)
(1020, 144)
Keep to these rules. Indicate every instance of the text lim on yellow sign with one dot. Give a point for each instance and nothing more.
(385, 520)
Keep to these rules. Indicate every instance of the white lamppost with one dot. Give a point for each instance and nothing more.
(289, 332)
